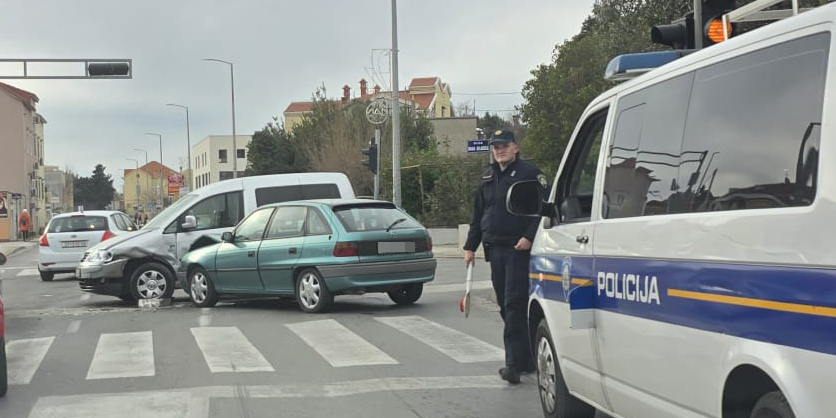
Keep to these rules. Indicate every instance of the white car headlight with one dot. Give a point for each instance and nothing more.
(100, 256)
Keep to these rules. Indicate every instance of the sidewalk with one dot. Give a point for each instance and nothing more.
(453, 251)
(14, 247)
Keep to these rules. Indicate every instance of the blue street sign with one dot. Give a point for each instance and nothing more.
(478, 145)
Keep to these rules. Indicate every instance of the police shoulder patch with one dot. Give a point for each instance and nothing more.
(543, 181)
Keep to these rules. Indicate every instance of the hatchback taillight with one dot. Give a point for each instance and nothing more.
(107, 235)
(429, 243)
(43, 242)
(345, 249)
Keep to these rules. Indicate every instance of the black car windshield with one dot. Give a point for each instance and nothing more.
(373, 218)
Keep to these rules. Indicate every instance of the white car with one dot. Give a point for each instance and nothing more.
(68, 235)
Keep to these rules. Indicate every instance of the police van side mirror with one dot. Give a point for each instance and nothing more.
(190, 223)
(526, 198)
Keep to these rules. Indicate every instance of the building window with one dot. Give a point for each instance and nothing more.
(225, 175)
(241, 153)
(222, 156)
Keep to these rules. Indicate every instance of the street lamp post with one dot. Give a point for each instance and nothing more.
(146, 165)
(161, 163)
(136, 186)
(234, 139)
(396, 113)
(188, 141)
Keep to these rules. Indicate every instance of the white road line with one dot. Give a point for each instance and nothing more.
(205, 318)
(226, 349)
(85, 297)
(74, 326)
(127, 354)
(24, 357)
(456, 344)
(441, 288)
(27, 272)
(189, 402)
(338, 345)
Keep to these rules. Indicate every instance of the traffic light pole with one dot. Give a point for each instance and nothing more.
(698, 29)
(377, 162)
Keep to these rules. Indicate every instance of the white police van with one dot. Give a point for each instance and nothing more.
(686, 262)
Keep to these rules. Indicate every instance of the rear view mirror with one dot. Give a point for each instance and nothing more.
(227, 237)
(526, 198)
(2, 259)
(190, 223)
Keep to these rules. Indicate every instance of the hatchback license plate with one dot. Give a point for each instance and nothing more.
(395, 247)
(73, 244)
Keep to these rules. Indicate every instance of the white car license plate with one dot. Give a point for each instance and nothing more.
(73, 244)
(395, 247)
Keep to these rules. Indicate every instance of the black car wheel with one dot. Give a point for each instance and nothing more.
(151, 280)
(46, 275)
(555, 398)
(4, 383)
(201, 290)
(772, 405)
(407, 294)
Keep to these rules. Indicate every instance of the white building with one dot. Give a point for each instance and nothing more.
(212, 158)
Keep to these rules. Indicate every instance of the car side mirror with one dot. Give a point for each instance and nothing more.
(190, 223)
(2, 259)
(527, 198)
(227, 237)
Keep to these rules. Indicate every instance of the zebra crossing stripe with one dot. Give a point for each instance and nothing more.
(338, 345)
(27, 272)
(23, 358)
(127, 354)
(455, 344)
(226, 349)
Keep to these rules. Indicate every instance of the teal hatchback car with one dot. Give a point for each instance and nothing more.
(315, 250)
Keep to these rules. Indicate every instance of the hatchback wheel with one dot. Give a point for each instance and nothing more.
(151, 281)
(407, 294)
(46, 275)
(312, 294)
(201, 290)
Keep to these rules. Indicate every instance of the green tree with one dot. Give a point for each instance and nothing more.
(94, 192)
(491, 123)
(272, 151)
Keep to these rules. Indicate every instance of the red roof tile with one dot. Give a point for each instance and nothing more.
(24, 96)
(153, 169)
(299, 107)
(423, 81)
(424, 100)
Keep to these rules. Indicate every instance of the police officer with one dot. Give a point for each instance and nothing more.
(506, 239)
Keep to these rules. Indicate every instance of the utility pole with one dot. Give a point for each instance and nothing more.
(396, 113)
(377, 163)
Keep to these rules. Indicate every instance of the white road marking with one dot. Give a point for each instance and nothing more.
(192, 402)
(456, 344)
(226, 349)
(85, 297)
(338, 345)
(441, 288)
(205, 318)
(27, 272)
(74, 326)
(24, 357)
(127, 354)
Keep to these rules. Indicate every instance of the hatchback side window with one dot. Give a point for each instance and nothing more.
(252, 228)
(315, 223)
(289, 221)
(577, 182)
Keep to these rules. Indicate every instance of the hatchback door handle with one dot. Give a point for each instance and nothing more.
(251, 254)
(292, 250)
(582, 239)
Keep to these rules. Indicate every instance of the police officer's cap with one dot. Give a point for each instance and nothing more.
(503, 136)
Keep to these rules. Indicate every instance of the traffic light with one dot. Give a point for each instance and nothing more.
(371, 153)
(679, 34)
(712, 20)
(102, 69)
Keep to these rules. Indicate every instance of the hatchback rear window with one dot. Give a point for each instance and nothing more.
(373, 218)
(78, 224)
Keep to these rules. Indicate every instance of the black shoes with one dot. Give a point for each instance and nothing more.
(510, 374)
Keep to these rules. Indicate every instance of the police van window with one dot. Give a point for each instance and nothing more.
(660, 147)
(620, 200)
(753, 126)
(576, 184)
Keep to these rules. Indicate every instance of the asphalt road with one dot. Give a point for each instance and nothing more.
(72, 354)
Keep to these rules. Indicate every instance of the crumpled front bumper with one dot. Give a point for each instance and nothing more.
(103, 278)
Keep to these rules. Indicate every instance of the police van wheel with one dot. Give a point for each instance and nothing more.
(772, 405)
(555, 398)
(151, 280)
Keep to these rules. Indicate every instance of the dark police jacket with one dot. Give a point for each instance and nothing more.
(491, 222)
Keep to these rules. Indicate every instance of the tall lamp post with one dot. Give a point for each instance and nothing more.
(161, 163)
(136, 186)
(188, 141)
(234, 139)
(146, 165)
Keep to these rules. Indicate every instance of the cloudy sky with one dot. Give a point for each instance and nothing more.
(282, 51)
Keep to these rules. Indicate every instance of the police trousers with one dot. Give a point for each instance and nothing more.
(509, 274)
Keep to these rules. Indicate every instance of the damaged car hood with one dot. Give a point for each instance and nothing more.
(117, 240)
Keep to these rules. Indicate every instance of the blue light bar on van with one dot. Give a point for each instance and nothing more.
(627, 66)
